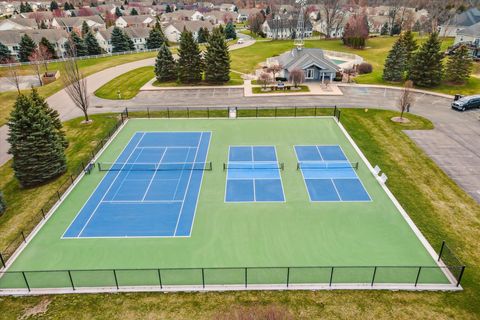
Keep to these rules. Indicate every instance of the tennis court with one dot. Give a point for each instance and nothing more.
(151, 190)
(253, 175)
(328, 174)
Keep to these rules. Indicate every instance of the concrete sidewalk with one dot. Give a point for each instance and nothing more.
(316, 89)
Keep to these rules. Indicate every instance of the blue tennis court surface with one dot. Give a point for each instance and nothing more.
(328, 174)
(253, 175)
(150, 191)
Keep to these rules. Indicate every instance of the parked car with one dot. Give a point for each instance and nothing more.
(468, 102)
(240, 41)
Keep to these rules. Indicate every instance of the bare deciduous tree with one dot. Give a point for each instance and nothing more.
(274, 69)
(333, 16)
(36, 62)
(406, 98)
(75, 81)
(297, 76)
(264, 79)
(13, 74)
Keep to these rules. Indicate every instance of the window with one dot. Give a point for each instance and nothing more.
(310, 73)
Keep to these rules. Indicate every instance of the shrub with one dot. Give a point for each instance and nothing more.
(3, 204)
(364, 68)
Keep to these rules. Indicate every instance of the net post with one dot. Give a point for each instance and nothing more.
(203, 278)
(160, 278)
(26, 282)
(418, 275)
(2, 261)
(71, 279)
(224, 166)
(288, 276)
(441, 250)
(99, 166)
(460, 276)
(282, 166)
(116, 280)
(298, 165)
(331, 277)
(246, 277)
(373, 277)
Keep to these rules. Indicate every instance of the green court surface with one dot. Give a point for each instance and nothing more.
(309, 237)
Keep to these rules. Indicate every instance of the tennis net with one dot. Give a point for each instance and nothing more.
(254, 165)
(168, 166)
(326, 165)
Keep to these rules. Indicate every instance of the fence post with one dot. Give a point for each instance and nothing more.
(43, 213)
(246, 277)
(160, 278)
(203, 278)
(441, 250)
(71, 178)
(188, 112)
(334, 111)
(71, 280)
(26, 282)
(276, 112)
(208, 112)
(58, 194)
(338, 118)
(315, 114)
(2, 261)
(295, 111)
(256, 112)
(331, 277)
(23, 236)
(168, 112)
(460, 276)
(148, 112)
(288, 276)
(116, 280)
(126, 111)
(418, 275)
(374, 272)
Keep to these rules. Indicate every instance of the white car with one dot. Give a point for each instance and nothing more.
(240, 41)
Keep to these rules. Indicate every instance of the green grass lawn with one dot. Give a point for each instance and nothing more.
(235, 80)
(258, 90)
(440, 208)
(128, 84)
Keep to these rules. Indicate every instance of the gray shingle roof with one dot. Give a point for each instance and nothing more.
(472, 31)
(13, 37)
(467, 18)
(305, 58)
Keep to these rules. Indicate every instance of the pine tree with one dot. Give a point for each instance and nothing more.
(66, 6)
(118, 12)
(217, 58)
(35, 143)
(395, 63)
(168, 8)
(3, 204)
(85, 28)
(165, 69)
(43, 25)
(51, 49)
(80, 47)
(410, 45)
(459, 65)
(129, 42)
(26, 48)
(201, 36)
(384, 30)
(189, 65)
(93, 48)
(426, 69)
(5, 54)
(134, 12)
(230, 32)
(156, 38)
(53, 5)
(119, 42)
(28, 7)
(22, 7)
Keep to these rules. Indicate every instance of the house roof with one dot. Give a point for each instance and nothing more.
(466, 18)
(192, 26)
(305, 58)
(221, 15)
(132, 32)
(25, 22)
(178, 15)
(137, 19)
(13, 37)
(286, 21)
(248, 12)
(472, 31)
(72, 22)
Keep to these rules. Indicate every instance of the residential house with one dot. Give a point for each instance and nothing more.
(227, 7)
(135, 21)
(70, 24)
(18, 24)
(182, 15)
(175, 28)
(12, 38)
(376, 23)
(139, 36)
(204, 5)
(460, 21)
(244, 14)
(286, 8)
(284, 27)
(220, 17)
(313, 62)
(337, 27)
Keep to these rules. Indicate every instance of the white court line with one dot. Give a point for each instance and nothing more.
(181, 174)
(319, 153)
(109, 187)
(141, 202)
(188, 185)
(126, 176)
(336, 190)
(155, 173)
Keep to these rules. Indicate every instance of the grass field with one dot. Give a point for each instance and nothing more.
(437, 205)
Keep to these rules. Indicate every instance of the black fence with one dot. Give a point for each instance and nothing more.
(85, 166)
(449, 259)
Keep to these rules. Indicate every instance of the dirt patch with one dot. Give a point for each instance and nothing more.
(400, 120)
(40, 308)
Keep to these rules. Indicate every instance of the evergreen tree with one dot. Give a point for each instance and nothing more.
(3, 204)
(36, 145)
(129, 42)
(93, 48)
(125, 2)
(85, 28)
(410, 45)
(28, 7)
(217, 58)
(189, 66)
(51, 49)
(426, 69)
(134, 12)
(230, 32)
(459, 65)
(118, 12)
(22, 7)
(80, 48)
(156, 38)
(5, 54)
(165, 65)
(43, 25)
(119, 43)
(73, 14)
(201, 36)
(53, 5)
(384, 30)
(168, 8)
(26, 48)
(66, 6)
(395, 63)
(122, 8)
